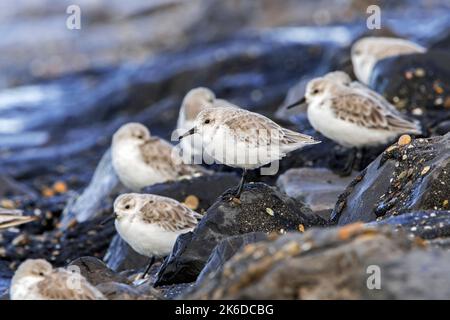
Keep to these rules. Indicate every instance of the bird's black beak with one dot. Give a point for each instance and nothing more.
(108, 219)
(301, 101)
(190, 132)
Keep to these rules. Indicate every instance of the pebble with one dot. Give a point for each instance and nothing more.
(191, 202)
(270, 212)
(425, 170)
(60, 187)
(404, 140)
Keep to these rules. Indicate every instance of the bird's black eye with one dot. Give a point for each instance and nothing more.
(316, 91)
(41, 274)
(127, 206)
(207, 121)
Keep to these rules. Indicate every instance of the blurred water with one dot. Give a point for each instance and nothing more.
(4, 285)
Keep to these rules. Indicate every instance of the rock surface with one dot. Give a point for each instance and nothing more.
(418, 84)
(333, 263)
(260, 209)
(427, 225)
(198, 193)
(319, 188)
(404, 178)
(225, 250)
(96, 271)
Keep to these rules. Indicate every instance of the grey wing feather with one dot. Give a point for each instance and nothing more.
(366, 111)
(263, 131)
(161, 154)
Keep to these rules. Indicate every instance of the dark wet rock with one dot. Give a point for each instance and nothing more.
(260, 209)
(96, 271)
(204, 188)
(429, 225)
(225, 250)
(319, 188)
(332, 264)
(120, 256)
(404, 178)
(418, 84)
(11, 188)
(84, 239)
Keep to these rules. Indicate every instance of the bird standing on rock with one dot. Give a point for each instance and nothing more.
(150, 224)
(351, 114)
(243, 139)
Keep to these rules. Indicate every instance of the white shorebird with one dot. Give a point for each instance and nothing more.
(141, 160)
(244, 139)
(37, 280)
(366, 52)
(351, 114)
(150, 224)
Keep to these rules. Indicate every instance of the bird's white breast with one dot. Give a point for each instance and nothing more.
(145, 238)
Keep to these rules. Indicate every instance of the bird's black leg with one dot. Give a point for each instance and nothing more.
(347, 170)
(150, 263)
(241, 184)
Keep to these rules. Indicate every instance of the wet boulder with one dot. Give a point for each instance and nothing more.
(418, 84)
(319, 188)
(332, 263)
(225, 250)
(198, 193)
(120, 256)
(408, 176)
(121, 291)
(260, 209)
(431, 225)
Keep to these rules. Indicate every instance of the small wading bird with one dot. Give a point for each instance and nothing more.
(150, 224)
(351, 114)
(37, 280)
(366, 52)
(141, 160)
(243, 139)
(11, 218)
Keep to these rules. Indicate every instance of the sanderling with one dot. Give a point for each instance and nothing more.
(37, 280)
(141, 160)
(352, 114)
(366, 52)
(195, 101)
(243, 139)
(150, 224)
(11, 218)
